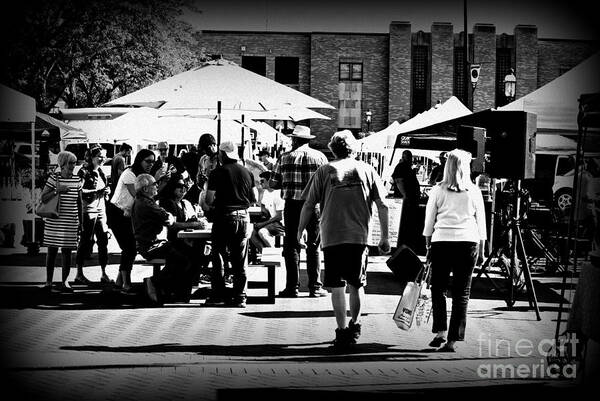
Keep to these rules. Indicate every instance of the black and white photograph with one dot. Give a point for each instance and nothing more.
(209, 200)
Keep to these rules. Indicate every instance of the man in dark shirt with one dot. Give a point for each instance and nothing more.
(231, 191)
(118, 164)
(437, 174)
(148, 219)
(407, 187)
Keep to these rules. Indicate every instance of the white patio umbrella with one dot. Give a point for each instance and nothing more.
(220, 81)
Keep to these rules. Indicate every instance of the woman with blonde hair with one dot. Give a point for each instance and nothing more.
(62, 232)
(455, 232)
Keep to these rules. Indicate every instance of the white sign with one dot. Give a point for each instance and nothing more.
(395, 211)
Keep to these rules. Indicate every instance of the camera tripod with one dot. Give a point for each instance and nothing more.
(514, 251)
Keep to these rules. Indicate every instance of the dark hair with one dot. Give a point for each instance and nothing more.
(168, 192)
(136, 167)
(205, 141)
(264, 152)
(124, 146)
(90, 153)
(266, 175)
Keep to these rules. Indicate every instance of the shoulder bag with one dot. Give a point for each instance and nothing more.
(51, 207)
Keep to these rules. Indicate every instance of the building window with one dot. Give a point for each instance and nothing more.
(351, 72)
(255, 64)
(459, 75)
(420, 75)
(287, 70)
(503, 66)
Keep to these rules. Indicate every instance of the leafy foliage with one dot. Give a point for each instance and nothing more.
(89, 52)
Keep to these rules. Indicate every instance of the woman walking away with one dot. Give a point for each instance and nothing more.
(61, 232)
(119, 214)
(455, 233)
(94, 191)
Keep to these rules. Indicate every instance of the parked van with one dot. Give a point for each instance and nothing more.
(562, 187)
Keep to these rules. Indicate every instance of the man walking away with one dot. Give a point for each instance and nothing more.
(345, 189)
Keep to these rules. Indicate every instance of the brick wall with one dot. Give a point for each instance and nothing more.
(526, 54)
(327, 50)
(263, 44)
(399, 71)
(556, 56)
(484, 54)
(442, 61)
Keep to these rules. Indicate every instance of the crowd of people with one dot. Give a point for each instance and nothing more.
(322, 207)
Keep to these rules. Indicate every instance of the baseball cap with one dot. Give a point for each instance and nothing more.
(230, 150)
(163, 145)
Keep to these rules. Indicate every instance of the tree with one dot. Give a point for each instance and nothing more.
(89, 52)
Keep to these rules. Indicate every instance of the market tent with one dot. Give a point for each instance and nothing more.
(385, 139)
(289, 113)
(18, 115)
(554, 144)
(219, 81)
(556, 103)
(68, 133)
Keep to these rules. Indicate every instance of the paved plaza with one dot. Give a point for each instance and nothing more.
(100, 344)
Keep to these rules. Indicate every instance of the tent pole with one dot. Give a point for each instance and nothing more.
(33, 183)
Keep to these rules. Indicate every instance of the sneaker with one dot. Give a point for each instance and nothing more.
(287, 293)
(355, 330)
(343, 339)
(317, 293)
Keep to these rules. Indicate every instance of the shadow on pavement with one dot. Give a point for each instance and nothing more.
(308, 352)
(26, 295)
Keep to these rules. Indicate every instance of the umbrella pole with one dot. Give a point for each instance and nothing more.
(218, 130)
(243, 142)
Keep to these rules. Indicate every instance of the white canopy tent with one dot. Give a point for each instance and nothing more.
(556, 103)
(18, 108)
(554, 144)
(385, 139)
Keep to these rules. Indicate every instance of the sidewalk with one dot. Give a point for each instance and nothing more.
(95, 345)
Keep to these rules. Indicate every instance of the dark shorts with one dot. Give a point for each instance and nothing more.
(345, 263)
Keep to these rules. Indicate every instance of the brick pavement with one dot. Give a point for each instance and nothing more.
(99, 346)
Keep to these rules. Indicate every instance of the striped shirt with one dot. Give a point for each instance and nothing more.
(62, 231)
(294, 169)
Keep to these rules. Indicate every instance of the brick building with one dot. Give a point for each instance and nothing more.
(399, 74)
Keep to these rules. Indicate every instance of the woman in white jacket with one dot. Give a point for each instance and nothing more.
(455, 232)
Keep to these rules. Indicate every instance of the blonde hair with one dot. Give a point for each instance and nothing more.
(64, 157)
(457, 172)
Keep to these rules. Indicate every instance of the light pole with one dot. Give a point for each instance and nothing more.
(368, 116)
(510, 86)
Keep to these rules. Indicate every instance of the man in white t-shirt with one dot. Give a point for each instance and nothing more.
(264, 232)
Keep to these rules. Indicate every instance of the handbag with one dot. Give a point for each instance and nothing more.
(51, 207)
(407, 306)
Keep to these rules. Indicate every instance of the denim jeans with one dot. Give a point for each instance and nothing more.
(458, 258)
(291, 247)
(230, 231)
(92, 227)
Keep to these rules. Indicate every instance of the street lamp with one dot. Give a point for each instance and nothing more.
(510, 85)
(368, 115)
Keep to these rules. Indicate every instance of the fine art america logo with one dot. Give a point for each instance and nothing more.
(557, 358)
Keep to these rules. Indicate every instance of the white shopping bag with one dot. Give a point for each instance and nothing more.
(405, 311)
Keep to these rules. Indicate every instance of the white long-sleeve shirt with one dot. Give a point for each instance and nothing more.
(455, 216)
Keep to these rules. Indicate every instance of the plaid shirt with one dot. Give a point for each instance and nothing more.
(294, 169)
